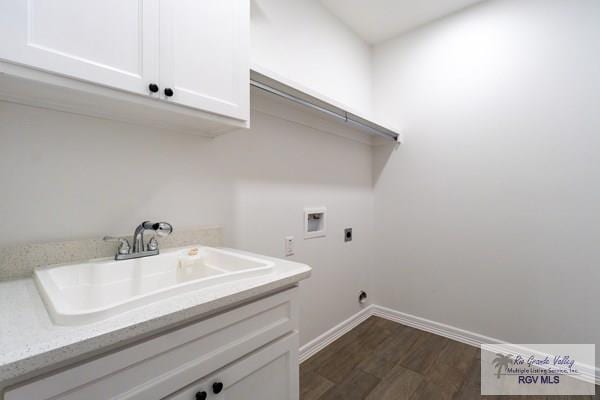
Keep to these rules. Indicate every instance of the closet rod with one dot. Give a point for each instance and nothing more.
(306, 100)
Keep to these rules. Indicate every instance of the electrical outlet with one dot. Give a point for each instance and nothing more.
(348, 235)
(289, 246)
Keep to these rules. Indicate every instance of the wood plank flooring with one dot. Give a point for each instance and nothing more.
(383, 360)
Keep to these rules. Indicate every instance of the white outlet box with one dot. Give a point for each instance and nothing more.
(289, 246)
(315, 222)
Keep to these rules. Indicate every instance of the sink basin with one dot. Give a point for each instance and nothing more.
(81, 293)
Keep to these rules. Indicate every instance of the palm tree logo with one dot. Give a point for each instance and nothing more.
(501, 361)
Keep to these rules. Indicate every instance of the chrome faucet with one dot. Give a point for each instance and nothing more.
(139, 250)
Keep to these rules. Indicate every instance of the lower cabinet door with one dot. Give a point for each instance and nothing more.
(270, 373)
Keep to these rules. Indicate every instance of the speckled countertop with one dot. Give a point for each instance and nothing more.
(31, 344)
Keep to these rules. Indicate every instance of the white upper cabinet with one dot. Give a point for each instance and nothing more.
(204, 54)
(110, 42)
(186, 52)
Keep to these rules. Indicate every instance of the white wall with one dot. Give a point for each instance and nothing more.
(65, 176)
(302, 41)
(488, 217)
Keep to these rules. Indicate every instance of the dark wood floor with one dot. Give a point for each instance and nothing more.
(382, 360)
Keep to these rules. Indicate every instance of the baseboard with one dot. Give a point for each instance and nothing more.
(314, 346)
(588, 372)
(447, 331)
(437, 328)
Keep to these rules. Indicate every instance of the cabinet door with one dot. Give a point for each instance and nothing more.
(109, 42)
(268, 374)
(204, 54)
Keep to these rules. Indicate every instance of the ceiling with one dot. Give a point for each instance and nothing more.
(378, 20)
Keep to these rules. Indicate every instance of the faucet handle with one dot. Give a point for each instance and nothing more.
(124, 247)
(152, 244)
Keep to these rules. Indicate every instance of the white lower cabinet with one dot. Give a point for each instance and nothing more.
(269, 374)
(249, 352)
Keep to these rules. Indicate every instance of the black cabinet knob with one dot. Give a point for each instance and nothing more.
(168, 92)
(217, 387)
(201, 396)
(153, 87)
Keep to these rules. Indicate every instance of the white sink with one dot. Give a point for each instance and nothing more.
(82, 293)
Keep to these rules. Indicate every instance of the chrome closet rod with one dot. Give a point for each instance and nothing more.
(376, 129)
(297, 100)
(343, 115)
